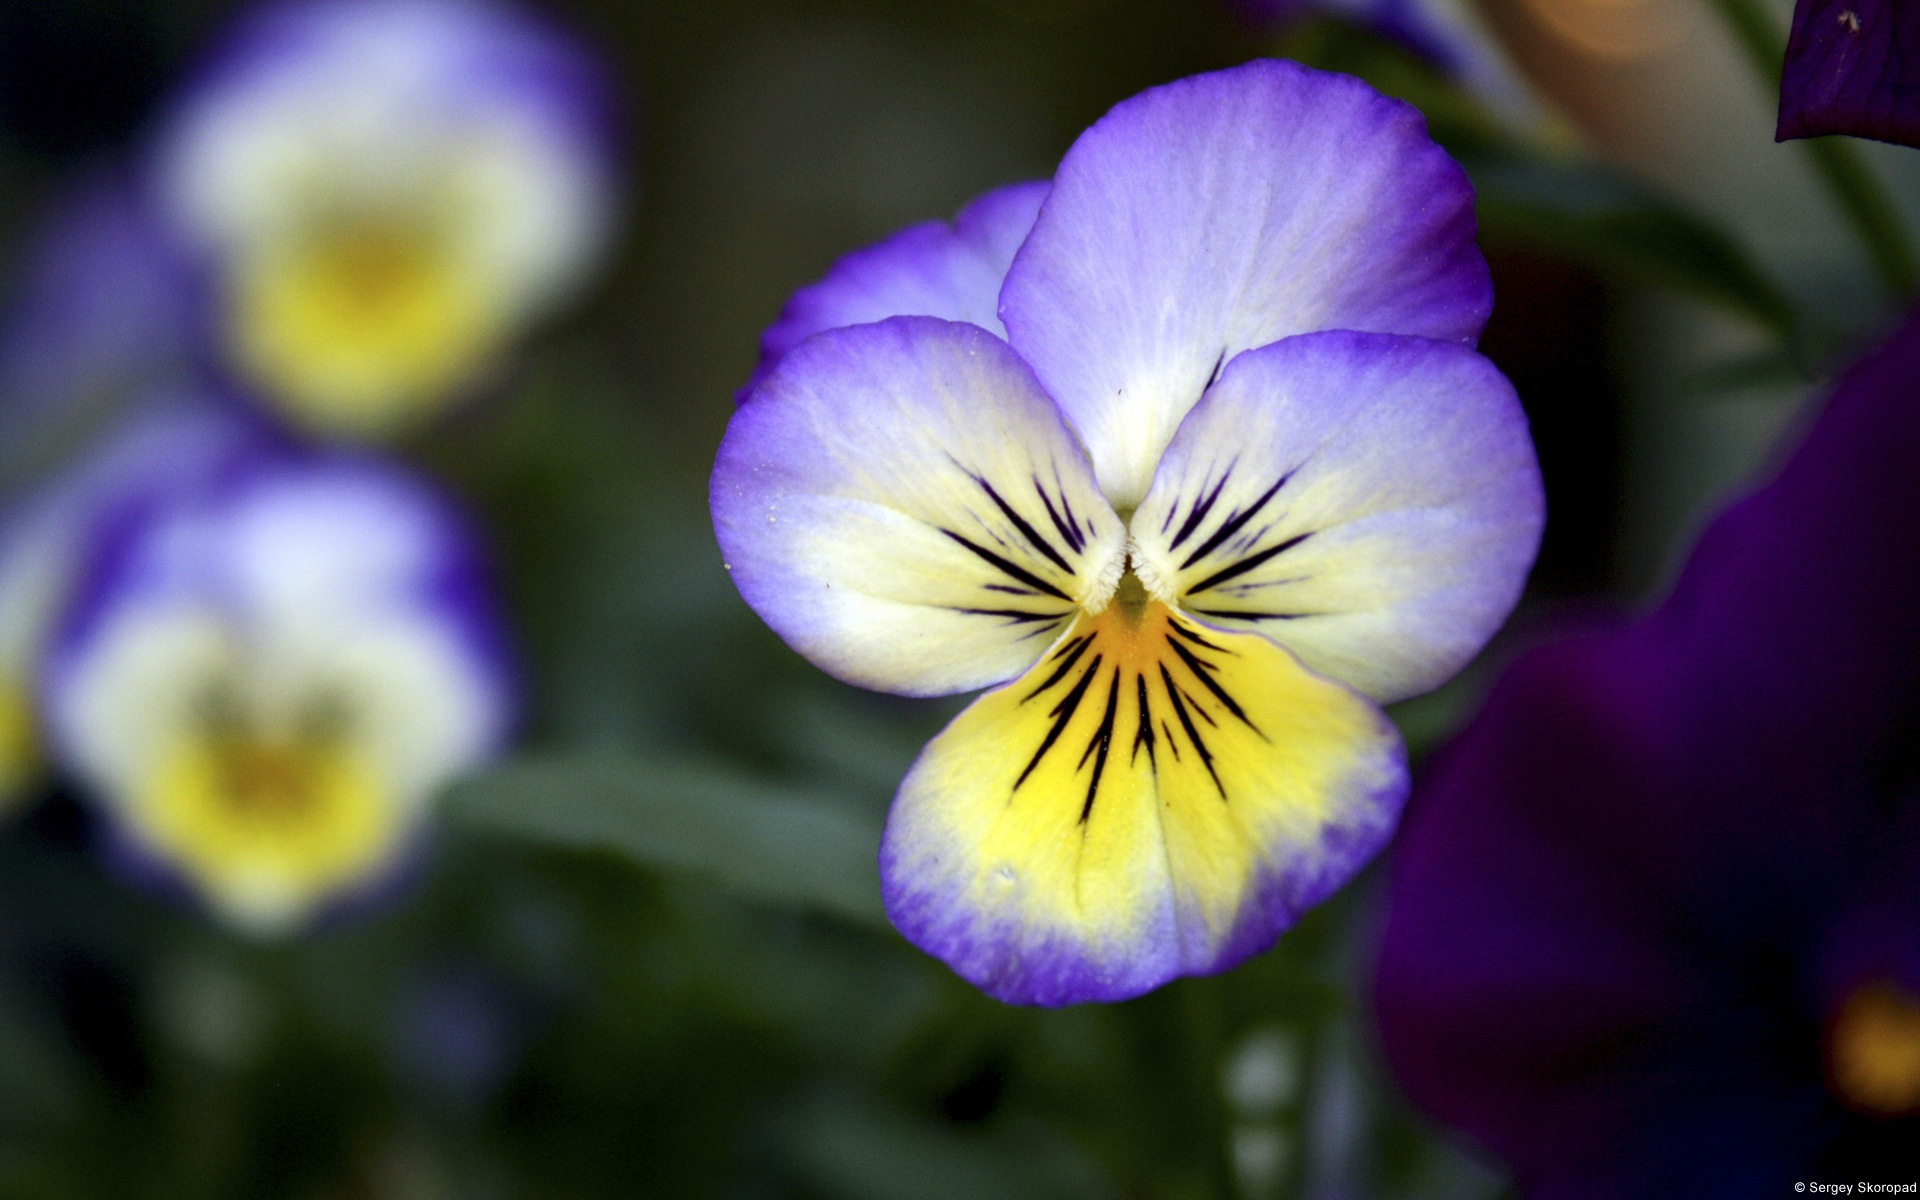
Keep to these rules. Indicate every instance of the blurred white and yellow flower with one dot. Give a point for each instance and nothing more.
(265, 684)
(385, 193)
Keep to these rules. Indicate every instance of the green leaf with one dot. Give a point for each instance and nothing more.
(1620, 229)
(750, 835)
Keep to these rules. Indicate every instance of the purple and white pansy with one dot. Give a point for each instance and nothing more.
(1207, 476)
(383, 193)
(266, 680)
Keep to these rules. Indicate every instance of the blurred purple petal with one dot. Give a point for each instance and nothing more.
(1853, 67)
(1627, 898)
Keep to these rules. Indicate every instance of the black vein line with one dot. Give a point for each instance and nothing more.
(1234, 523)
(1143, 732)
(1078, 647)
(1016, 615)
(1066, 504)
(1026, 531)
(1200, 509)
(1173, 743)
(1193, 735)
(1067, 532)
(1012, 570)
(1008, 589)
(1223, 615)
(1061, 713)
(1204, 671)
(1195, 638)
(1246, 564)
(1213, 376)
(1103, 739)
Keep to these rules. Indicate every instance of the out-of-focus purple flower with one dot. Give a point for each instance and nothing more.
(1655, 920)
(385, 193)
(100, 307)
(265, 682)
(1853, 67)
(457, 1035)
(1206, 476)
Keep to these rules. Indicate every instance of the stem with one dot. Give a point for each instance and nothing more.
(1204, 1020)
(1846, 175)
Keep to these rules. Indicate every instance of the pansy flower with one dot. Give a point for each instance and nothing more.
(384, 193)
(1655, 918)
(1231, 479)
(266, 681)
(1853, 67)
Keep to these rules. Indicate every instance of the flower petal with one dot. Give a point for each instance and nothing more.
(952, 271)
(1153, 799)
(1853, 67)
(1221, 213)
(1370, 502)
(904, 505)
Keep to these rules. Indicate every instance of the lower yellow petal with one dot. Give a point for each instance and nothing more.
(268, 832)
(360, 328)
(1155, 798)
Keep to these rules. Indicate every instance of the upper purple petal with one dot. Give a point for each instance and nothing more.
(936, 269)
(1853, 67)
(1220, 213)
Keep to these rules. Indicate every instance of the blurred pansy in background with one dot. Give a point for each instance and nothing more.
(1655, 924)
(268, 678)
(1193, 527)
(1853, 67)
(384, 194)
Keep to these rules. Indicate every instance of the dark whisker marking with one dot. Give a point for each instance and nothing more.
(1104, 740)
(1061, 714)
(1234, 523)
(1066, 507)
(1213, 376)
(1038, 631)
(1016, 615)
(1143, 733)
(1074, 650)
(1085, 637)
(1172, 744)
(1204, 671)
(1200, 509)
(1241, 589)
(1009, 590)
(1246, 564)
(1012, 570)
(1223, 615)
(1193, 735)
(1068, 533)
(1026, 531)
(1195, 638)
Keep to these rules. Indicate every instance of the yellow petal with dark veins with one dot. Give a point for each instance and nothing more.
(1154, 798)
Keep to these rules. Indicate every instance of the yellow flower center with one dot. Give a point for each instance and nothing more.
(360, 325)
(269, 826)
(1873, 1051)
